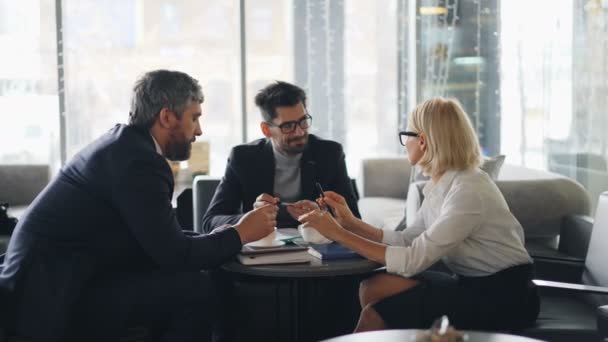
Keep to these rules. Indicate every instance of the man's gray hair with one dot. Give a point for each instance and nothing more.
(160, 89)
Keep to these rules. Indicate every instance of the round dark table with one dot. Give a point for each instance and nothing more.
(315, 269)
(410, 335)
(297, 302)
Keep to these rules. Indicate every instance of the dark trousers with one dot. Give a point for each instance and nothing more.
(172, 306)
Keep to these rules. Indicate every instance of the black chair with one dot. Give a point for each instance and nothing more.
(184, 210)
(578, 312)
(353, 182)
(567, 262)
(203, 189)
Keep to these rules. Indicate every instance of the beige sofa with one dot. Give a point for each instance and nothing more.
(547, 205)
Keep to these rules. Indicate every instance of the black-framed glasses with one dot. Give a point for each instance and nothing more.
(290, 126)
(404, 134)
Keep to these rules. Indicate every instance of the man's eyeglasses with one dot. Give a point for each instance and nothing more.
(290, 126)
(404, 134)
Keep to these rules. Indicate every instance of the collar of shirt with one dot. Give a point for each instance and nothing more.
(157, 146)
(283, 159)
(438, 189)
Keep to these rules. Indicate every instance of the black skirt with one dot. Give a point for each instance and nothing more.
(505, 300)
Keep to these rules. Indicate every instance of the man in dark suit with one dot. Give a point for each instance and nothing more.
(100, 248)
(283, 167)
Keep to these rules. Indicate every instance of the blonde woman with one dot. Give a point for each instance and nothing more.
(464, 221)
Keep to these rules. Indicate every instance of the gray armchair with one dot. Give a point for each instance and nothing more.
(574, 312)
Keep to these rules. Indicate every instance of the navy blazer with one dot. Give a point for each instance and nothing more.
(108, 210)
(250, 172)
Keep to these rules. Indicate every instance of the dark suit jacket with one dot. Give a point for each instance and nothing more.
(108, 210)
(250, 172)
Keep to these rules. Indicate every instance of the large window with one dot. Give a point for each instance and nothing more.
(370, 81)
(533, 75)
(269, 52)
(106, 52)
(28, 83)
(554, 84)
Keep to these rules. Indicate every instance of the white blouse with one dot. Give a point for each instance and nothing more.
(465, 221)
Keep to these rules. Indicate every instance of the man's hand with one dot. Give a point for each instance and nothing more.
(300, 208)
(264, 199)
(257, 223)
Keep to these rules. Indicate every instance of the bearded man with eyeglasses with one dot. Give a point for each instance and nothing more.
(282, 167)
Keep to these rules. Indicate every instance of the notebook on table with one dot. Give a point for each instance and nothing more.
(292, 257)
(287, 248)
(332, 251)
(284, 254)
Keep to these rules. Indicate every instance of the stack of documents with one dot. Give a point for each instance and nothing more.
(288, 254)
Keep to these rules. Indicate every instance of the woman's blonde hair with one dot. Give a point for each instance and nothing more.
(450, 138)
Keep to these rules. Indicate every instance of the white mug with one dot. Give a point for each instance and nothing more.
(312, 235)
(267, 240)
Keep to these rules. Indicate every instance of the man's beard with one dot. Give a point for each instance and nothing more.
(295, 149)
(178, 149)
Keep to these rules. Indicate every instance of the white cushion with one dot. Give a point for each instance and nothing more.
(414, 201)
(382, 212)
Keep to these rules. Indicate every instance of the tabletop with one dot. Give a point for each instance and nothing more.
(410, 335)
(315, 269)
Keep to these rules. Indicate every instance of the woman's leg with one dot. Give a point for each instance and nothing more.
(370, 320)
(375, 289)
(383, 285)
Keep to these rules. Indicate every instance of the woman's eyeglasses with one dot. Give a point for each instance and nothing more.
(404, 134)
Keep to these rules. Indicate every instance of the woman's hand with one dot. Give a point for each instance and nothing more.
(323, 222)
(300, 208)
(342, 212)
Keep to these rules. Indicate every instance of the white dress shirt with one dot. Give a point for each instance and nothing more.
(157, 146)
(463, 220)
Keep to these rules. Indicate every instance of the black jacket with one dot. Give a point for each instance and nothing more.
(108, 210)
(250, 172)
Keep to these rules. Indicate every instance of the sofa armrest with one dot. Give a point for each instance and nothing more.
(575, 234)
(571, 287)
(602, 321)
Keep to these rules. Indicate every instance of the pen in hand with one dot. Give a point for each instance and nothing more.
(322, 196)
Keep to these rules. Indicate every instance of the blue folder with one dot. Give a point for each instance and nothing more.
(332, 251)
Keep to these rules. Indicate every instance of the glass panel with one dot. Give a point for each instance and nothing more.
(106, 52)
(458, 57)
(28, 83)
(324, 47)
(554, 88)
(269, 58)
(370, 77)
